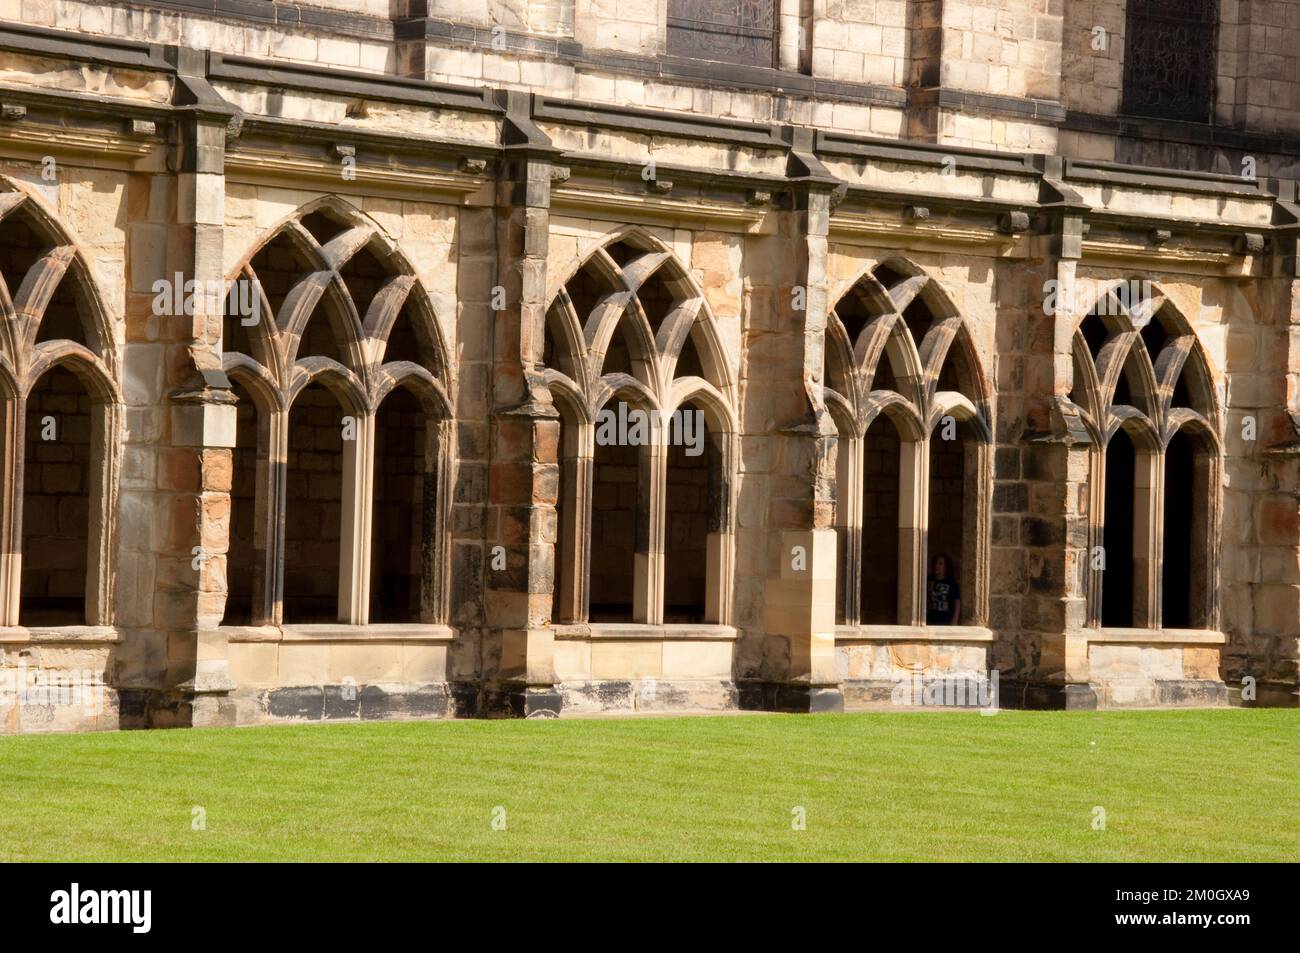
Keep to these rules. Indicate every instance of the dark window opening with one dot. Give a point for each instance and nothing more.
(322, 226)
(948, 508)
(618, 357)
(403, 522)
(587, 288)
(888, 275)
(242, 556)
(885, 378)
(562, 609)
(364, 275)
(56, 502)
(688, 360)
(320, 337)
(23, 246)
(687, 527)
(854, 315)
(1170, 58)
(278, 266)
(728, 31)
(409, 340)
(241, 306)
(1117, 533)
(1179, 534)
(313, 507)
(919, 319)
(1123, 392)
(1155, 337)
(614, 514)
(62, 319)
(880, 500)
(1095, 333)
(846, 535)
(656, 300)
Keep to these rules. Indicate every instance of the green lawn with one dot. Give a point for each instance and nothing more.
(1191, 785)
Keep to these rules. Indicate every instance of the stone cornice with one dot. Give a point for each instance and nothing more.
(1042, 189)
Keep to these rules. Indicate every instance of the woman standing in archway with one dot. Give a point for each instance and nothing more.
(942, 592)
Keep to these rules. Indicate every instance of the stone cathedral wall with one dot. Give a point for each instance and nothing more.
(466, 230)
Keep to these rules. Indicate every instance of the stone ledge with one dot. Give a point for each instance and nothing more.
(333, 702)
(338, 632)
(638, 696)
(1159, 693)
(1209, 135)
(913, 633)
(1154, 637)
(800, 698)
(60, 634)
(878, 694)
(627, 631)
(1025, 108)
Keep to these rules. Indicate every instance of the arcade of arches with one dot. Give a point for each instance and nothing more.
(502, 427)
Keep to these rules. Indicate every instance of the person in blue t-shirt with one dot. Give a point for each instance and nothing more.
(942, 593)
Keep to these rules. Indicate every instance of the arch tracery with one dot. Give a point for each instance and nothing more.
(60, 405)
(902, 378)
(338, 310)
(1139, 368)
(628, 326)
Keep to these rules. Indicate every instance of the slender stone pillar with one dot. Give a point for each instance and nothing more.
(799, 595)
(1041, 496)
(196, 473)
(523, 479)
(1259, 608)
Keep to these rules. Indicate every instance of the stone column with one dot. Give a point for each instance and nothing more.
(791, 308)
(1041, 492)
(1259, 608)
(523, 476)
(196, 473)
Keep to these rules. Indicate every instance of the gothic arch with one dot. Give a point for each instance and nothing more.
(337, 305)
(903, 374)
(52, 321)
(1140, 368)
(627, 327)
(871, 343)
(583, 322)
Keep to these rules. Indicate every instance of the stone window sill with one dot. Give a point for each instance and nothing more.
(339, 632)
(1155, 637)
(913, 633)
(60, 634)
(629, 631)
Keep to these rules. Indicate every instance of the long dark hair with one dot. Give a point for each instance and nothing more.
(949, 567)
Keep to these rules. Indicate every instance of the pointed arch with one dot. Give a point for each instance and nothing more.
(1152, 408)
(338, 304)
(339, 380)
(329, 236)
(427, 388)
(59, 361)
(58, 267)
(914, 363)
(627, 324)
(715, 406)
(957, 368)
(87, 367)
(257, 380)
(1136, 349)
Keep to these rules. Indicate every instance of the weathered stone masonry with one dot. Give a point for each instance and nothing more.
(380, 493)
